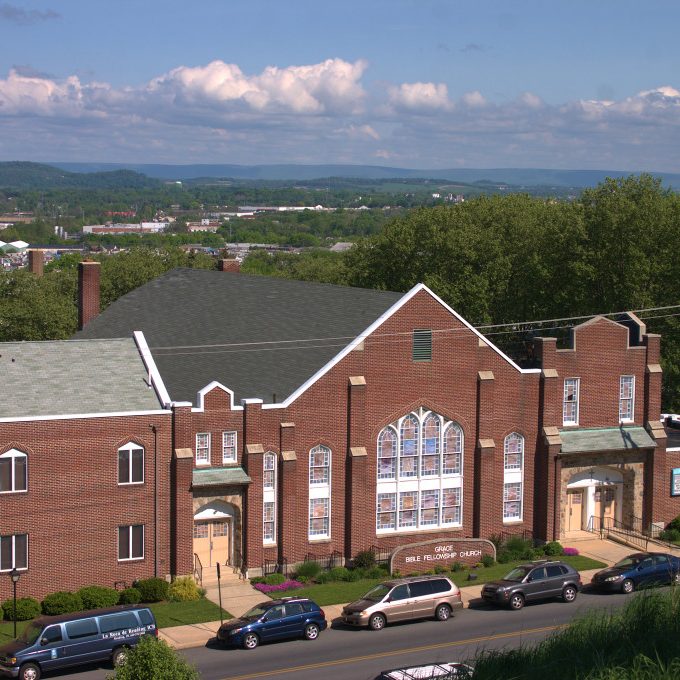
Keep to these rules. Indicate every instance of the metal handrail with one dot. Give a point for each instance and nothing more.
(631, 531)
(198, 570)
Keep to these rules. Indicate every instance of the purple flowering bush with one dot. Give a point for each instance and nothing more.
(286, 585)
(570, 551)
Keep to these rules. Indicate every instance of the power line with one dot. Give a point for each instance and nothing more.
(341, 341)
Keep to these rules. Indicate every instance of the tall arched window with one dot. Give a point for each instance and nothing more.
(131, 464)
(419, 480)
(13, 471)
(269, 498)
(320, 492)
(513, 477)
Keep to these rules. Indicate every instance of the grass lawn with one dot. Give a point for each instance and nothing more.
(339, 592)
(168, 614)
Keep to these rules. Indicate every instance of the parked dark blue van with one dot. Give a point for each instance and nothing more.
(56, 642)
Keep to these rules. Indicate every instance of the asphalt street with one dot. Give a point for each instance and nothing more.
(342, 653)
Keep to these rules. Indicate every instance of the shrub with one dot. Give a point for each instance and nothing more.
(95, 597)
(339, 574)
(519, 548)
(129, 596)
(256, 579)
(376, 572)
(396, 574)
(570, 551)
(364, 559)
(154, 659)
(62, 602)
(274, 579)
(27, 608)
(488, 560)
(153, 589)
(670, 535)
(439, 569)
(553, 548)
(497, 540)
(184, 589)
(324, 577)
(457, 566)
(300, 579)
(308, 569)
(355, 575)
(674, 524)
(503, 557)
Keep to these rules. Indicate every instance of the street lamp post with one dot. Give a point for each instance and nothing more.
(15, 574)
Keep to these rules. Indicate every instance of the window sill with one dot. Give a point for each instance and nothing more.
(322, 539)
(419, 532)
(130, 483)
(5, 493)
(130, 559)
(513, 521)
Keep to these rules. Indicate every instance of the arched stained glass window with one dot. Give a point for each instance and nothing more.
(408, 458)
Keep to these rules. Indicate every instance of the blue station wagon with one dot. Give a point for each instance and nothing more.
(56, 642)
(289, 617)
(638, 570)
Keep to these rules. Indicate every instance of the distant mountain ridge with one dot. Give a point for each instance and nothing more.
(26, 175)
(513, 176)
(29, 175)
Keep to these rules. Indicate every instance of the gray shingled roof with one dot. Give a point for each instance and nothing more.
(208, 319)
(68, 377)
(605, 439)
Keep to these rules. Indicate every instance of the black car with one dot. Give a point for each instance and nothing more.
(537, 580)
(289, 617)
(638, 570)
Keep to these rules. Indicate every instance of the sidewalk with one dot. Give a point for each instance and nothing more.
(238, 597)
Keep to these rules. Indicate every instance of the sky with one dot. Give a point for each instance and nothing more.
(424, 84)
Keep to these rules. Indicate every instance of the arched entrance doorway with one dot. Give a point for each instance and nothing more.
(594, 499)
(214, 533)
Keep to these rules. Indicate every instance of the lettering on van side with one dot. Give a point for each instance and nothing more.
(117, 634)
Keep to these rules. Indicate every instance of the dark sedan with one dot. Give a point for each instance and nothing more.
(274, 620)
(637, 571)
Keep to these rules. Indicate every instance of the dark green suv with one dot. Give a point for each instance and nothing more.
(537, 580)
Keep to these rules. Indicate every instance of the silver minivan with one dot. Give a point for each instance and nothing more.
(417, 597)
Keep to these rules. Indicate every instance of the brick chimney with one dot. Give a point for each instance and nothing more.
(36, 262)
(229, 266)
(88, 292)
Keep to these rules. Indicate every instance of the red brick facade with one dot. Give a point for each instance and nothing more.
(74, 505)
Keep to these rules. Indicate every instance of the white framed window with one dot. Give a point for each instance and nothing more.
(319, 524)
(626, 398)
(419, 470)
(513, 452)
(203, 448)
(269, 471)
(408, 509)
(13, 471)
(319, 465)
(408, 447)
(453, 449)
(513, 477)
(570, 401)
(131, 542)
(451, 505)
(131, 464)
(269, 523)
(387, 454)
(14, 552)
(269, 498)
(512, 501)
(387, 511)
(228, 447)
(320, 458)
(429, 507)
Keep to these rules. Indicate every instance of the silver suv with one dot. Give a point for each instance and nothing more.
(536, 580)
(418, 597)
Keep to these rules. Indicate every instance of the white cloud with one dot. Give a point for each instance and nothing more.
(420, 96)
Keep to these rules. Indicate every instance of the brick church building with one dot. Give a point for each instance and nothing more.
(213, 416)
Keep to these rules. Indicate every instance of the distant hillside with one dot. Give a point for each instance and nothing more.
(22, 175)
(577, 179)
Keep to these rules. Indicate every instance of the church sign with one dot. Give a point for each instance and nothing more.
(426, 555)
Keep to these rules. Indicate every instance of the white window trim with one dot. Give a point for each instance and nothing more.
(202, 461)
(13, 454)
(225, 436)
(14, 553)
(632, 399)
(319, 491)
(129, 448)
(129, 528)
(419, 482)
(514, 476)
(565, 402)
(269, 494)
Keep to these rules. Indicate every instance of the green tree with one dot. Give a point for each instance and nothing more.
(154, 659)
